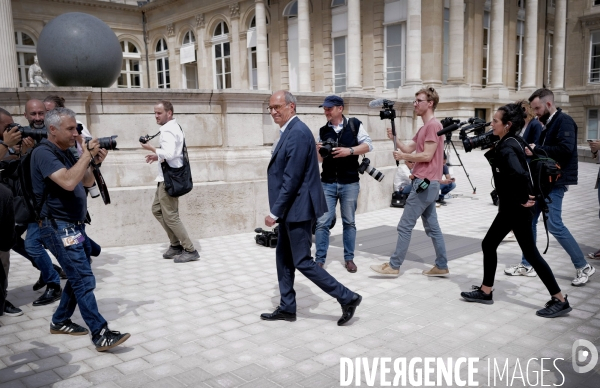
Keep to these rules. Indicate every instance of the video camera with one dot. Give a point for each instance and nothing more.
(475, 125)
(35, 134)
(267, 238)
(388, 112)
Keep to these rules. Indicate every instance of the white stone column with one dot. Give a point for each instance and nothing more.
(236, 73)
(304, 47)
(413, 44)
(457, 42)
(496, 44)
(173, 58)
(9, 78)
(203, 65)
(529, 65)
(262, 60)
(558, 48)
(354, 47)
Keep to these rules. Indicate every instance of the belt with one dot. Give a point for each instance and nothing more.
(57, 219)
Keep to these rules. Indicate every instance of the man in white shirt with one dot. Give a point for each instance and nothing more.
(166, 208)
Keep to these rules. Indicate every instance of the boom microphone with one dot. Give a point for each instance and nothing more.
(449, 128)
(376, 103)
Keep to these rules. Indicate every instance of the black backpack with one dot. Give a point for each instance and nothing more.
(17, 177)
(544, 172)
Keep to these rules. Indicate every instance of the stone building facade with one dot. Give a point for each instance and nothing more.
(218, 61)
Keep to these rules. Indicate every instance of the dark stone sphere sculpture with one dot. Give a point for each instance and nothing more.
(77, 49)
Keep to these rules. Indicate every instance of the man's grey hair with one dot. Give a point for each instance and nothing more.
(290, 98)
(53, 117)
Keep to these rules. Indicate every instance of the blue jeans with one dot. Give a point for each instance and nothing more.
(36, 250)
(420, 205)
(558, 229)
(79, 289)
(407, 189)
(446, 188)
(348, 197)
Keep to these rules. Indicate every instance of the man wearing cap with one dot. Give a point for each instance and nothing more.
(340, 176)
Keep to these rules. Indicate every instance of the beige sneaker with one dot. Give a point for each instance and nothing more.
(385, 269)
(435, 271)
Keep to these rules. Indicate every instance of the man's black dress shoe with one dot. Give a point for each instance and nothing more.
(278, 315)
(60, 271)
(51, 295)
(39, 284)
(349, 309)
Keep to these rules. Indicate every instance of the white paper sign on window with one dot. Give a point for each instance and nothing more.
(251, 38)
(187, 54)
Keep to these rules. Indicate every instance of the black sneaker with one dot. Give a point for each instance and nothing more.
(11, 311)
(478, 296)
(554, 308)
(186, 256)
(108, 339)
(67, 327)
(173, 251)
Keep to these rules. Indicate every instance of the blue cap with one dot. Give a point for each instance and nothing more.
(331, 101)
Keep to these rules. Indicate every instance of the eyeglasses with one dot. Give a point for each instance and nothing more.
(275, 107)
(416, 102)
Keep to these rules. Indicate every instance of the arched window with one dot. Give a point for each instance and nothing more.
(162, 65)
(337, 3)
(188, 61)
(291, 10)
(394, 19)
(131, 71)
(25, 46)
(222, 56)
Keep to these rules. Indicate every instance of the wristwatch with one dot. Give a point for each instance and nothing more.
(351, 151)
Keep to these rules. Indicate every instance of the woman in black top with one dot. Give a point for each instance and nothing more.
(515, 190)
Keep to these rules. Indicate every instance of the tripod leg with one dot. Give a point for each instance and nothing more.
(463, 166)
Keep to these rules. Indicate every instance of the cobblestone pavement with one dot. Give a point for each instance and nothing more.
(197, 324)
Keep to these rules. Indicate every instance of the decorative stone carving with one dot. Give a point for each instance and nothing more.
(200, 23)
(36, 75)
(170, 29)
(234, 9)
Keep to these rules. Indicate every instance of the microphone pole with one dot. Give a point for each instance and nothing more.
(394, 136)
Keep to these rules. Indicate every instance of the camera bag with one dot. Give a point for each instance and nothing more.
(178, 180)
(543, 172)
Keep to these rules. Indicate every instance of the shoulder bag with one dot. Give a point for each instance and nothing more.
(178, 181)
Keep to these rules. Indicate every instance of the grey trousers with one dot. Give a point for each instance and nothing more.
(420, 205)
(166, 210)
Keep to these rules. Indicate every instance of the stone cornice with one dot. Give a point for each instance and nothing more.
(99, 4)
(591, 19)
(191, 14)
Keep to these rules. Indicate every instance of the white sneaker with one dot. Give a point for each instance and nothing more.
(510, 237)
(582, 276)
(520, 269)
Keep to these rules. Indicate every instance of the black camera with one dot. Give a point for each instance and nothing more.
(146, 138)
(267, 238)
(108, 143)
(375, 173)
(327, 146)
(475, 125)
(388, 111)
(35, 134)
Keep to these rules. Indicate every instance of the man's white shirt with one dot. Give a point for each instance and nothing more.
(171, 147)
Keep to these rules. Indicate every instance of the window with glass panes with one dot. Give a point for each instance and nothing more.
(190, 70)
(394, 57)
(592, 123)
(131, 72)
(252, 58)
(339, 64)
(519, 53)
(486, 43)
(162, 65)
(595, 57)
(222, 57)
(446, 47)
(25, 47)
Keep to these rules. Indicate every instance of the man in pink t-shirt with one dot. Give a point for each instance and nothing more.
(429, 159)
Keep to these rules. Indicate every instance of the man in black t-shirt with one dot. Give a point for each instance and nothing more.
(57, 180)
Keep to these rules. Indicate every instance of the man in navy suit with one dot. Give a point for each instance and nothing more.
(296, 200)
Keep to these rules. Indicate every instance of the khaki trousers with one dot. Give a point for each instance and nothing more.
(166, 210)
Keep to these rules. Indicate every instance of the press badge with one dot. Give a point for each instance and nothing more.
(73, 240)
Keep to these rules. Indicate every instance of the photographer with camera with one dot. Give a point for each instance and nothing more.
(166, 208)
(339, 144)
(12, 145)
(58, 181)
(429, 157)
(514, 184)
(559, 142)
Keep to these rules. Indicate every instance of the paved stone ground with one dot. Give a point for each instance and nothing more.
(197, 324)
